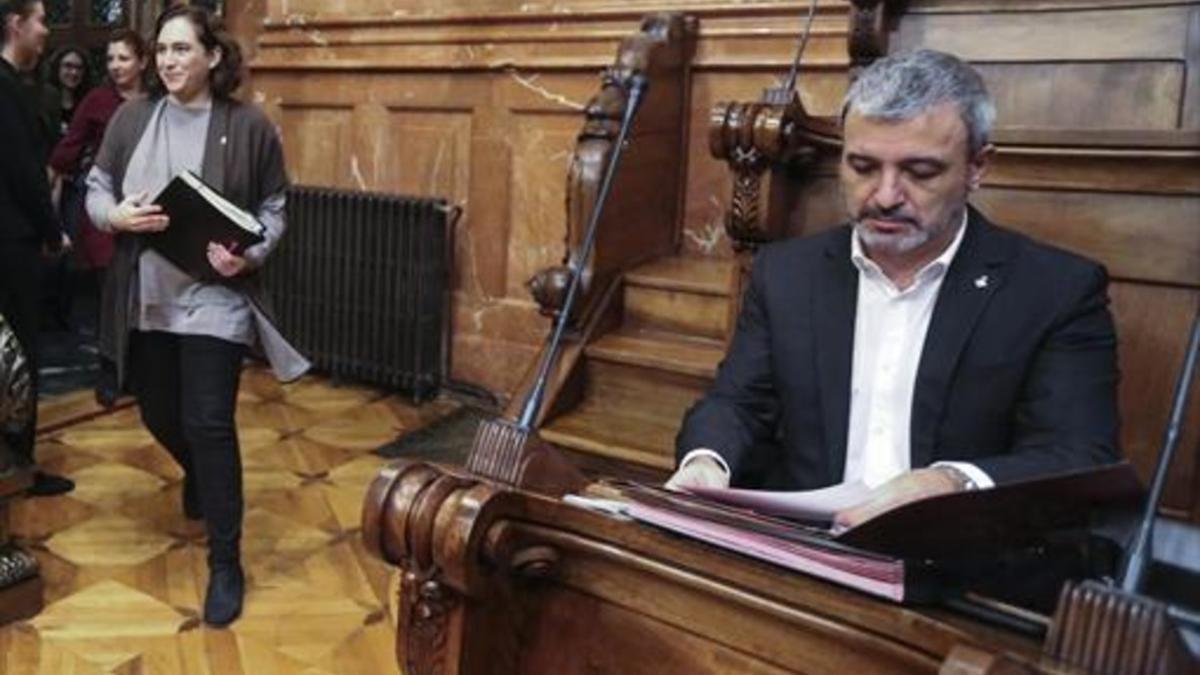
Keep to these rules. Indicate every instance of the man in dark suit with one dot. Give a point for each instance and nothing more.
(28, 226)
(920, 349)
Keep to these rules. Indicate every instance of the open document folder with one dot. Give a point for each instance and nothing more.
(894, 555)
(811, 505)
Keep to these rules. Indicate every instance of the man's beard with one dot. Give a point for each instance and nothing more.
(895, 243)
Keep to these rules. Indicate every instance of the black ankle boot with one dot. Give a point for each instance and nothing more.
(49, 485)
(106, 386)
(191, 499)
(223, 602)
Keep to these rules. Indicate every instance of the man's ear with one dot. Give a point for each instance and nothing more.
(978, 165)
(215, 59)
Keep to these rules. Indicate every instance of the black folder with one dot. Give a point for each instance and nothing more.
(199, 215)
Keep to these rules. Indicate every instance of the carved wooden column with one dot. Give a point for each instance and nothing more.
(401, 526)
(440, 528)
(20, 584)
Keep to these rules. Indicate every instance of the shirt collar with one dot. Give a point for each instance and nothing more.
(936, 266)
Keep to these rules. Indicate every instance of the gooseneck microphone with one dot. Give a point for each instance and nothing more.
(635, 86)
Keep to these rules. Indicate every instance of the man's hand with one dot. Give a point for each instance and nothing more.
(699, 471)
(905, 488)
(226, 263)
(131, 215)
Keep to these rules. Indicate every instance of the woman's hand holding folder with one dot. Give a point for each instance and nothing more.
(224, 261)
(133, 214)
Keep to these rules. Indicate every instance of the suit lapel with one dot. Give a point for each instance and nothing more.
(834, 305)
(975, 275)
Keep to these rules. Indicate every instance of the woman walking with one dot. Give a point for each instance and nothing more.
(182, 339)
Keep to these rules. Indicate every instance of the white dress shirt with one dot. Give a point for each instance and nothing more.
(889, 335)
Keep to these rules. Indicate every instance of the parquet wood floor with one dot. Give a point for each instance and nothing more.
(125, 572)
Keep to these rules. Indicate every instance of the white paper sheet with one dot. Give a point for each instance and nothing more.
(818, 505)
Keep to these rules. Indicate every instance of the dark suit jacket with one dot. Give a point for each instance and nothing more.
(26, 213)
(1017, 375)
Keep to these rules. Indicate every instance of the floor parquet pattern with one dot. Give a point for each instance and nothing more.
(125, 571)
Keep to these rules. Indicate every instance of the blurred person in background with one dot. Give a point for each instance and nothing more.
(70, 75)
(126, 59)
(28, 226)
(67, 80)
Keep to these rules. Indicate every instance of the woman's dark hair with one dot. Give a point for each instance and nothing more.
(210, 31)
(55, 62)
(132, 39)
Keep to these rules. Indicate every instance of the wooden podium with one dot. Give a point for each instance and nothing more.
(498, 580)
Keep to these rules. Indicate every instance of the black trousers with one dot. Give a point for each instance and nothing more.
(186, 386)
(20, 294)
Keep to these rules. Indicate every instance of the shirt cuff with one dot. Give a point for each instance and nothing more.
(976, 474)
(705, 452)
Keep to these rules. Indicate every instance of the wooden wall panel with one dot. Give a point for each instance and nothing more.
(426, 152)
(1152, 322)
(1071, 65)
(1030, 32)
(1164, 248)
(1124, 95)
(315, 142)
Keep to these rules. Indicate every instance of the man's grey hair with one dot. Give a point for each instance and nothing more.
(905, 85)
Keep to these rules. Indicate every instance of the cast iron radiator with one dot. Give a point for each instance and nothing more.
(359, 284)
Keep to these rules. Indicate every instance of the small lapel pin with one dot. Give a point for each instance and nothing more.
(981, 282)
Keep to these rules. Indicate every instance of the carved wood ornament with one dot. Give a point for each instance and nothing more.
(754, 138)
(661, 47)
(776, 135)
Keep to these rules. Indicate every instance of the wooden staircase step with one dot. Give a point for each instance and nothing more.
(610, 435)
(661, 351)
(693, 274)
(676, 311)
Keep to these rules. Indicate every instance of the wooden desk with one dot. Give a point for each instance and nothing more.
(501, 581)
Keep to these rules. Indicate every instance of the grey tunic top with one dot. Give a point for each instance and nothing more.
(171, 300)
(242, 158)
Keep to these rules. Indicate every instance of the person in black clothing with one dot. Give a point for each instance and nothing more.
(28, 226)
